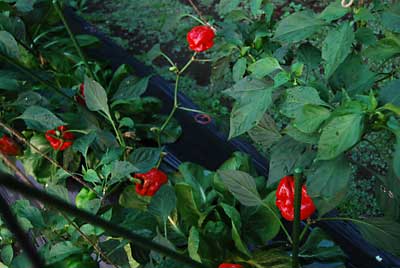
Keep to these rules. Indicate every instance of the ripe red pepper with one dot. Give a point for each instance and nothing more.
(8, 146)
(285, 200)
(200, 38)
(151, 182)
(230, 265)
(80, 98)
(60, 139)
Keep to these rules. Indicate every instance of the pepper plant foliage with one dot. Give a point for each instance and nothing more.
(327, 80)
(66, 117)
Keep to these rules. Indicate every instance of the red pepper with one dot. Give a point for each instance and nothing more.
(151, 182)
(60, 139)
(8, 146)
(80, 98)
(285, 200)
(200, 38)
(230, 265)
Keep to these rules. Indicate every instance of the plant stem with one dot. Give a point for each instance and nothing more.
(303, 233)
(10, 183)
(195, 18)
(117, 133)
(52, 161)
(73, 38)
(280, 222)
(298, 181)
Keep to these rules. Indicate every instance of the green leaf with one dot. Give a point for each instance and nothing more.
(238, 241)
(126, 122)
(298, 26)
(131, 88)
(91, 176)
(320, 247)
(25, 5)
(233, 214)
(309, 55)
(8, 45)
(390, 93)
(333, 11)
(353, 75)
(255, 7)
(381, 232)
(384, 49)
(264, 66)
(145, 158)
(194, 244)
(96, 96)
(339, 135)
(61, 251)
(122, 169)
(22, 208)
(112, 154)
(391, 18)
(242, 186)
(394, 126)
(130, 199)
(253, 97)
(310, 118)
(41, 119)
(83, 143)
(336, 47)
(366, 36)
(7, 254)
(265, 132)
(260, 225)
(272, 258)
(327, 183)
(186, 204)
(239, 69)
(163, 202)
(226, 6)
(58, 191)
(297, 97)
(300, 136)
(285, 156)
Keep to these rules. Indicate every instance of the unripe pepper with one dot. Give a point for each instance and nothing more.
(151, 182)
(8, 146)
(60, 139)
(80, 98)
(230, 265)
(200, 38)
(83, 197)
(285, 200)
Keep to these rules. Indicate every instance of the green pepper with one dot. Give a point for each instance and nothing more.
(84, 196)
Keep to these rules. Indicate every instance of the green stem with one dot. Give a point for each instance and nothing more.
(73, 38)
(11, 183)
(303, 233)
(280, 222)
(191, 110)
(188, 63)
(117, 133)
(298, 181)
(32, 75)
(168, 59)
(195, 18)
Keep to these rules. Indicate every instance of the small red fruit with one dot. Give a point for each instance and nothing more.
(285, 200)
(200, 38)
(60, 139)
(8, 146)
(80, 98)
(151, 182)
(230, 265)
